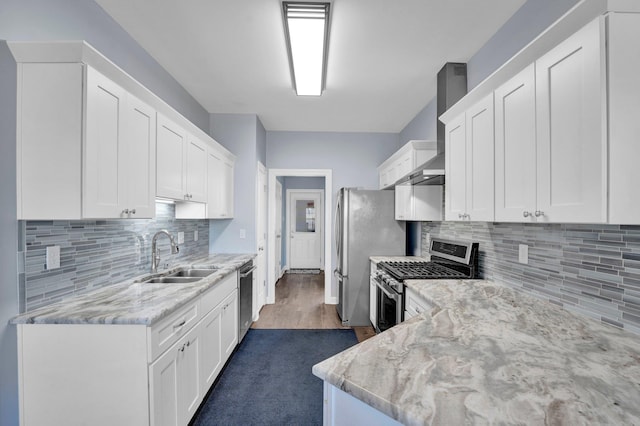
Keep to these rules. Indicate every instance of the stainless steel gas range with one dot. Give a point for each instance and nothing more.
(449, 260)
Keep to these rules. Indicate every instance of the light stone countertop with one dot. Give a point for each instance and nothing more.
(487, 354)
(133, 302)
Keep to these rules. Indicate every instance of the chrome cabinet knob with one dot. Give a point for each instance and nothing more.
(125, 211)
(539, 213)
(526, 214)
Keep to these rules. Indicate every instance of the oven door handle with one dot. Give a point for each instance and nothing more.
(389, 294)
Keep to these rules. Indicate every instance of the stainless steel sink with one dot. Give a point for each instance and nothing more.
(185, 272)
(172, 280)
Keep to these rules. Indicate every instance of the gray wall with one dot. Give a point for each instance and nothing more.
(9, 304)
(353, 158)
(244, 136)
(86, 20)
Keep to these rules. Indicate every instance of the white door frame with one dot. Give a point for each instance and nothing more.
(271, 228)
(279, 269)
(290, 192)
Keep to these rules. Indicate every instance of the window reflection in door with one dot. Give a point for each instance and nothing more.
(305, 216)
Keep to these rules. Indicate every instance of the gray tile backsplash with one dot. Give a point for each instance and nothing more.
(97, 253)
(593, 270)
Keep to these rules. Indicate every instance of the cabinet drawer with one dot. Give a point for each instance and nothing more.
(219, 292)
(415, 304)
(168, 331)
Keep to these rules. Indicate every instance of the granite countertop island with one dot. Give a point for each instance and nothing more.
(133, 301)
(486, 354)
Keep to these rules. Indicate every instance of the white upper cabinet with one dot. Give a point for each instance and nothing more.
(515, 148)
(92, 142)
(455, 169)
(624, 117)
(550, 144)
(86, 147)
(404, 161)
(170, 164)
(119, 146)
(220, 169)
(571, 130)
(196, 170)
(469, 143)
(181, 163)
(140, 139)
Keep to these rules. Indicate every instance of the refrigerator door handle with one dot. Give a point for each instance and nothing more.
(338, 274)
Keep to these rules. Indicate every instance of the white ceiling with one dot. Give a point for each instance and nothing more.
(383, 56)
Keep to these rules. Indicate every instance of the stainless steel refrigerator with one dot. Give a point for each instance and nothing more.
(365, 226)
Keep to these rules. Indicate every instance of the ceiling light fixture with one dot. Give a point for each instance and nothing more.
(306, 27)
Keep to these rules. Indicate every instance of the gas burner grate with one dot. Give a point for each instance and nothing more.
(420, 270)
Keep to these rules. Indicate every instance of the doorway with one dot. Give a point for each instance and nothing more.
(304, 228)
(329, 297)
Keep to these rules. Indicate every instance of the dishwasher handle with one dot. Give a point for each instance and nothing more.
(247, 273)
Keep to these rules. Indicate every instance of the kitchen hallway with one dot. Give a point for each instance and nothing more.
(300, 305)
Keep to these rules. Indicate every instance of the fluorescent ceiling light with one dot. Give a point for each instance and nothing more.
(307, 31)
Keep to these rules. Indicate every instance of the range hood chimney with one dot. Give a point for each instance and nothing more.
(452, 85)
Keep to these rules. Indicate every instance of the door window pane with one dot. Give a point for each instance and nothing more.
(305, 216)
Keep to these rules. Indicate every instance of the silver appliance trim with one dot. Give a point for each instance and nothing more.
(447, 256)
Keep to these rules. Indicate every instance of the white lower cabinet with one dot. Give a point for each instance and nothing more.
(128, 374)
(175, 382)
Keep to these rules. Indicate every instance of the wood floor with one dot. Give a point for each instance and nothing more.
(300, 305)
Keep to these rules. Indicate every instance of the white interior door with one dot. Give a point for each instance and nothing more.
(278, 253)
(260, 291)
(304, 225)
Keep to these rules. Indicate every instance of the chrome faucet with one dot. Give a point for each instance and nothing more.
(155, 251)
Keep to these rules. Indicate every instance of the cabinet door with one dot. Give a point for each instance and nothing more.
(164, 388)
(403, 202)
(220, 186)
(211, 348)
(228, 186)
(175, 382)
(455, 169)
(140, 162)
(624, 119)
(571, 138)
(196, 171)
(480, 161)
(427, 202)
(104, 186)
(229, 337)
(170, 163)
(515, 139)
(189, 389)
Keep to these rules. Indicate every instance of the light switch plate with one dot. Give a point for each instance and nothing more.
(523, 253)
(53, 258)
(180, 237)
(195, 235)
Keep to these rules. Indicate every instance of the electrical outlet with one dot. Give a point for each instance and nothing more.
(243, 233)
(180, 237)
(195, 235)
(53, 258)
(523, 253)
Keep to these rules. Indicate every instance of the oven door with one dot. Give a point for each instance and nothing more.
(389, 308)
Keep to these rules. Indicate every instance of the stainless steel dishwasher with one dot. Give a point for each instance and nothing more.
(245, 287)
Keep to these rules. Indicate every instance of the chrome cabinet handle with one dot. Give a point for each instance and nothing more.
(539, 213)
(180, 325)
(526, 214)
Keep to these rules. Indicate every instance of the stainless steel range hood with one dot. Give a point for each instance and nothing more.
(429, 173)
(452, 85)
